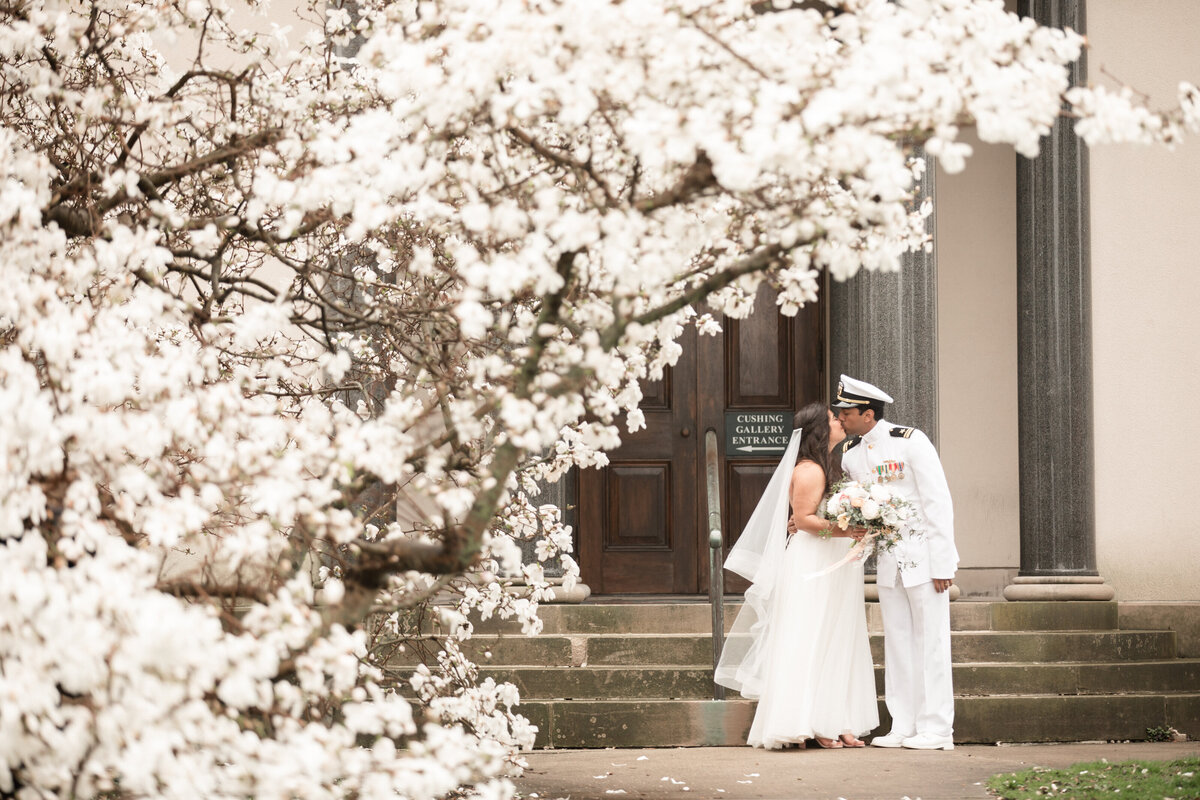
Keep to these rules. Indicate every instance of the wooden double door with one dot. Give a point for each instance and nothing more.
(643, 518)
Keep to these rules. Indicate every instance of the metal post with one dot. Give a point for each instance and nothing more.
(716, 554)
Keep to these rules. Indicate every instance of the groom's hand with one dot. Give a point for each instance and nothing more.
(791, 524)
(942, 584)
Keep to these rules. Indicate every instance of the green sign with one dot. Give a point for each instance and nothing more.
(749, 434)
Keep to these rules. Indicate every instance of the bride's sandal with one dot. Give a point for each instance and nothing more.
(848, 740)
(827, 744)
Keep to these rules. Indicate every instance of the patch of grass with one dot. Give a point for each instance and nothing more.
(1129, 780)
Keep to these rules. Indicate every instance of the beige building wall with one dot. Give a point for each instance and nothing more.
(977, 362)
(293, 19)
(1146, 312)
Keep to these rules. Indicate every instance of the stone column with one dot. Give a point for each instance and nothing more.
(1054, 367)
(883, 330)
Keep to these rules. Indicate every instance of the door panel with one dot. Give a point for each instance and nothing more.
(759, 359)
(639, 505)
(744, 483)
(637, 516)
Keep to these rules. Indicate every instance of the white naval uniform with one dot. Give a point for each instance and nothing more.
(918, 687)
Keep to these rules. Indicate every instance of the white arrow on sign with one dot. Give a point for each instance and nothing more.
(753, 448)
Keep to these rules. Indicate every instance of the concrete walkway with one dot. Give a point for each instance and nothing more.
(726, 773)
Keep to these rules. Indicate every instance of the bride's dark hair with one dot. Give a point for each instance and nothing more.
(813, 419)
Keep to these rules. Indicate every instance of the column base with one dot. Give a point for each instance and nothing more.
(577, 594)
(1053, 587)
(580, 592)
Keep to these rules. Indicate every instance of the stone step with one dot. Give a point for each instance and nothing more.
(693, 723)
(1048, 616)
(696, 617)
(696, 649)
(695, 683)
(1091, 678)
(595, 683)
(1083, 646)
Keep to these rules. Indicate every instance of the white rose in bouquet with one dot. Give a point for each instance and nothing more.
(870, 509)
(891, 517)
(880, 493)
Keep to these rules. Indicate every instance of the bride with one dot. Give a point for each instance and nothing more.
(799, 646)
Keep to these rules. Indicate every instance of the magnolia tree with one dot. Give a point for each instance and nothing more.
(287, 339)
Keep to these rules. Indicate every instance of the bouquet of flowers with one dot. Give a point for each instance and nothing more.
(875, 506)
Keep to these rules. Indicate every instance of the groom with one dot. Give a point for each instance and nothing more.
(914, 578)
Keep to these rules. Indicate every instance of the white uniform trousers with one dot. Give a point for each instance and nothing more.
(917, 680)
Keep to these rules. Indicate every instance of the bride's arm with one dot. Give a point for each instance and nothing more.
(808, 487)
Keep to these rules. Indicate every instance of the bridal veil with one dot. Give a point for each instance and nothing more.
(758, 557)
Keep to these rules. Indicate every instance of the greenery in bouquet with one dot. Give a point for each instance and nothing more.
(879, 508)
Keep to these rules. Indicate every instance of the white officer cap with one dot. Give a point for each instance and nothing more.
(853, 393)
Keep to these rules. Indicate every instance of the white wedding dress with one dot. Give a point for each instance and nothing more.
(799, 645)
(817, 675)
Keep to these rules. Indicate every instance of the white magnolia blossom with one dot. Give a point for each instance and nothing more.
(289, 343)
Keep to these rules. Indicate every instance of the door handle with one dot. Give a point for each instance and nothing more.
(686, 432)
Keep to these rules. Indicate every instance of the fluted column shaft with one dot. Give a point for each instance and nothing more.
(1058, 535)
(883, 330)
